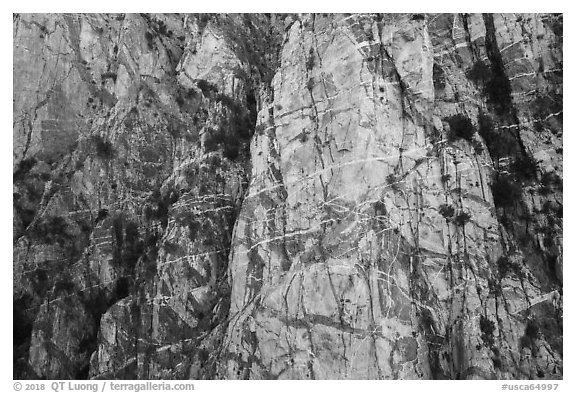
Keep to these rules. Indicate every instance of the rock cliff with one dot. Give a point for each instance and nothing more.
(355, 196)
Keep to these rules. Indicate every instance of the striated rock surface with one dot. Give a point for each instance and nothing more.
(288, 196)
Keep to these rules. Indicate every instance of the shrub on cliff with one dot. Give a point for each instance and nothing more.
(158, 205)
(480, 73)
(550, 181)
(524, 168)
(500, 143)
(499, 93)
(495, 85)
(206, 87)
(506, 192)
(487, 328)
(447, 211)
(460, 127)
(104, 148)
(462, 218)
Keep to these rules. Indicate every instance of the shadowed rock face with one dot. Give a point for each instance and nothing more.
(288, 196)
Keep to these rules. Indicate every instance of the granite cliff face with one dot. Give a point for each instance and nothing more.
(288, 196)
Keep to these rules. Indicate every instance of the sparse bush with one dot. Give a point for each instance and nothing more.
(393, 181)
(549, 182)
(499, 93)
(462, 218)
(158, 205)
(379, 208)
(487, 328)
(234, 133)
(506, 192)
(206, 87)
(495, 85)
(310, 84)
(214, 138)
(447, 211)
(551, 179)
(500, 143)
(480, 73)
(524, 168)
(532, 329)
(506, 266)
(104, 148)
(122, 288)
(460, 127)
(149, 39)
(260, 129)
(102, 214)
(310, 60)
(426, 319)
(525, 342)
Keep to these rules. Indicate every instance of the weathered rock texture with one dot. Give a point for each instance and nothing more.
(288, 196)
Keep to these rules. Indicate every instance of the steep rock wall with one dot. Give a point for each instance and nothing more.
(288, 196)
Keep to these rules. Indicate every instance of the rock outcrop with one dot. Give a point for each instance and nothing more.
(288, 196)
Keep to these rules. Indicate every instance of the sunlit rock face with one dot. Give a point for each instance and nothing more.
(363, 196)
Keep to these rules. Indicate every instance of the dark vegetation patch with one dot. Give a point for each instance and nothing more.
(447, 211)
(393, 181)
(506, 267)
(23, 168)
(122, 288)
(549, 183)
(555, 22)
(545, 109)
(310, 84)
(158, 204)
(479, 73)
(438, 77)
(22, 322)
(494, 85)
(236, 129)
(102, 214)
(206, 87)
(149, 39)
(104, 149)
(460, 127)
(500, 142)
(310, 60)
(184, 96)
(531, 333)
(255, 41)
(524, 168)
(506, 191)
(487, 327)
